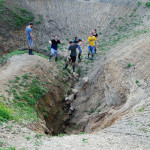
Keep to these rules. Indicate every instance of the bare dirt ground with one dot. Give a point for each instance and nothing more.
(112, 106)
(127, 116)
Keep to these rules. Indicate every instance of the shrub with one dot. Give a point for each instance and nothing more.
(147, 4)
(79, 70)
(128, 65)
(5, 113)
(139, 3)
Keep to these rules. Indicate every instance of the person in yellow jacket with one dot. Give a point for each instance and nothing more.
(91, 47)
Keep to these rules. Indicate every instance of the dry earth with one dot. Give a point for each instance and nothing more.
(112, 106)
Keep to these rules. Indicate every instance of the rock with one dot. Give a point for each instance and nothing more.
(86, 79)
(75, 91)
(71, 108)
(70, 98)
(66, 99)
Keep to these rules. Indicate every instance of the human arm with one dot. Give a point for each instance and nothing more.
(50, 42)
(68, 52)
(32, 36)
(83, 42)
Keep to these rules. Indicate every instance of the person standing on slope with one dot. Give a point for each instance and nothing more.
(96, 35)
(54, 44)
(77, 40)
(91, 47)
(30, 37)
(72, 55)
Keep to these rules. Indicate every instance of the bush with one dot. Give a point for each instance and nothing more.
(147, 4)
(5, 113)
(139, 3)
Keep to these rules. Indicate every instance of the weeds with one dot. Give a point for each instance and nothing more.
(28, 138)
(137, 81)
(79, 70)
(128, 65)
(5, 113)
(85, 140)
(147, 4)
(25, 98)
(91, 110)
(139, 3)
(40, 19)
(99, 110)
(141, 109)
(38, 136)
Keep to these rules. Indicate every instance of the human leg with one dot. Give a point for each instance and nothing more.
(73, 58)
(80, 51)
(30, 46)
(93, 51)
(66, 65)
(52, 53)
(89, 50)
(56, 55)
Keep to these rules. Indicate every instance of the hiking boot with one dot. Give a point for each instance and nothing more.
(87, 57)
(56, 59)
(65, 67)
(93, 58)
(49, 59)
(31, 54)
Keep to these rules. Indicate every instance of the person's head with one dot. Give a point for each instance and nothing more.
(31, 24)
(71, 43)
(76, 39)
(56, 37)
(94, 31)
(91, 34)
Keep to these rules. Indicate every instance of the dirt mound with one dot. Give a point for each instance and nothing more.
(36, 88)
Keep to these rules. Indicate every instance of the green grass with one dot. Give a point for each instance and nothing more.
(99, 104)
(99, 110)
(3, 60)
(141, 109)
(40, 20)
(91, 110)
(28, 138)
(29, 90)
(9, 148)
(38, 136)
(139, 3)
(16, 18)
(147, 4)
(85, 140)
(17, 52)
(5, 113)
(79, 70)
(137, 81)
(61, 135)
(128, 65)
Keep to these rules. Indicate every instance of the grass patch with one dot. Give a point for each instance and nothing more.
(9, 148)
(3, 60)
(79, 70)
(139, 3)
(147, 4)
(137, 81)
(128, 65)
(29, 90)
(141, 109)
(91, 111)
(15, 18)
(40, 19)
(5, 113)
